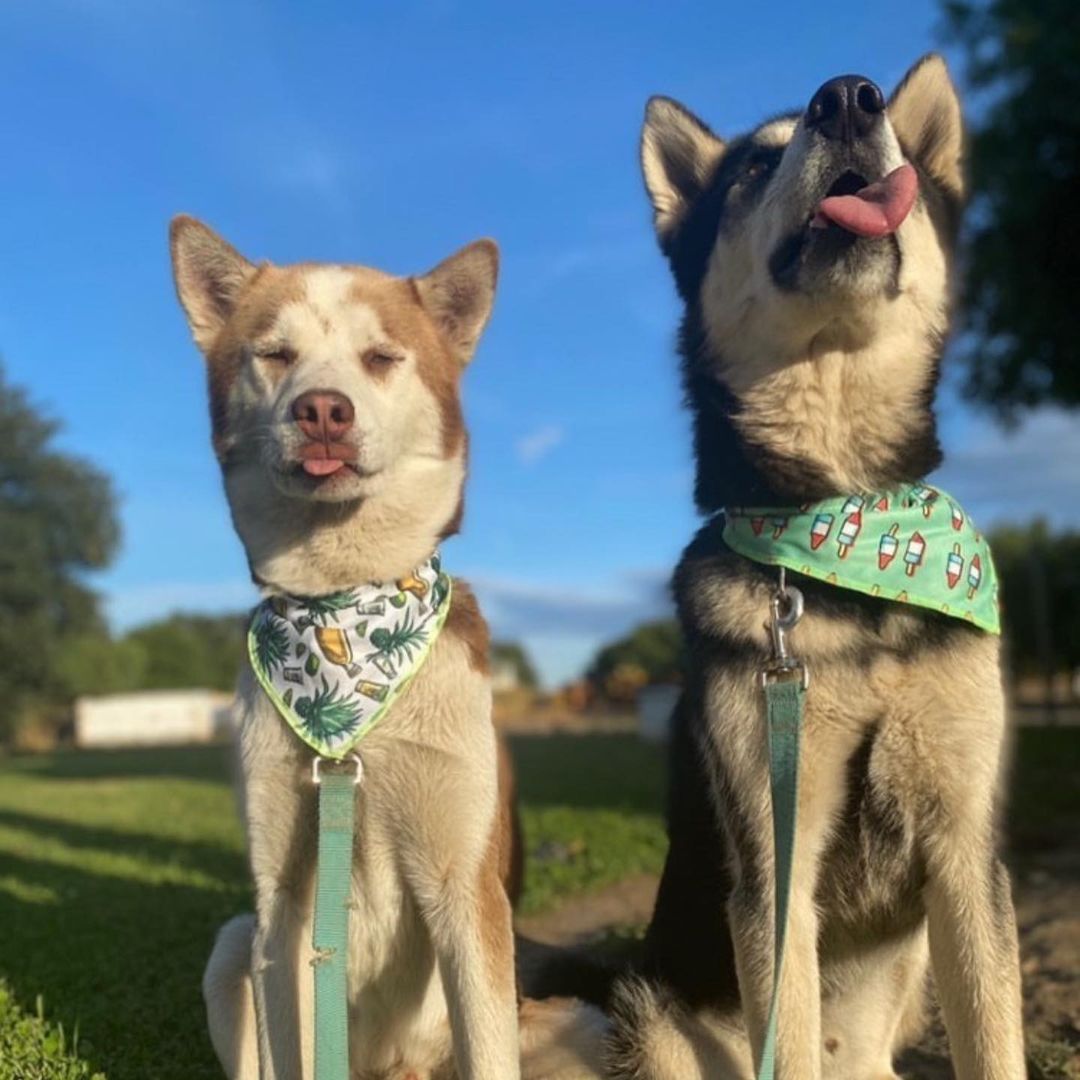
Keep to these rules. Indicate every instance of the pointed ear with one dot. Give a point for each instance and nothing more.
(678, 157)
(459, 292)
(925, 114)
(209, 274)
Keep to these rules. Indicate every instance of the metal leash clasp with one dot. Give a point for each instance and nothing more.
(786, 609)
(318, 762)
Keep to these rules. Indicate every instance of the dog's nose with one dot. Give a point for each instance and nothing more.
(846, 108)
(324, 415)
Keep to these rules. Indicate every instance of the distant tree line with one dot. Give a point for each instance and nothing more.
(59, 523)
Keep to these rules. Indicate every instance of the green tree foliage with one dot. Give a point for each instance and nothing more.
(57, 521)
(1023, 61)
(186, 651)
(656, 648)
(509, 652)
(1040, 583)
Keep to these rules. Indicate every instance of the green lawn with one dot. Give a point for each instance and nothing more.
(117, 867)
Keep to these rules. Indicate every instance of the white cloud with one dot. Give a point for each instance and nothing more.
(539, 443)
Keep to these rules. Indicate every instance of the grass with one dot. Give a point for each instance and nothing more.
(31, 1049)
(116, 868)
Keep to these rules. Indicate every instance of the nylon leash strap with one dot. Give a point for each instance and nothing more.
(330, 939)
(784, 681)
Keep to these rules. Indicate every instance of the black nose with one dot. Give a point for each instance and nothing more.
(848, 107)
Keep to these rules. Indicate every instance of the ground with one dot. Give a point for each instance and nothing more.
(117, 867)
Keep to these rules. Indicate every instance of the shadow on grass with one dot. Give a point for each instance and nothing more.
(121, 960)
(213, 763)
(208, 858)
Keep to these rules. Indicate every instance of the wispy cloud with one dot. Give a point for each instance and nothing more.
(562, 626)
(539, 443)
(1031, 471)
(518, 607)
(314, 169)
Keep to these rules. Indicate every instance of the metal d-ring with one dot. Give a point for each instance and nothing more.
(318, 762)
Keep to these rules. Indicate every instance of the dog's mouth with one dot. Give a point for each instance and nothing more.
(871, 210)
(321, 469)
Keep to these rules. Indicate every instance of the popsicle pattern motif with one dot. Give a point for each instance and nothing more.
(333, 665)
(914, 546)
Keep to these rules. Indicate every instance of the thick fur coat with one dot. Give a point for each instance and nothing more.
(810, 359)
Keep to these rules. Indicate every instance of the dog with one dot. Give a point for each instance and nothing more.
(816, 269)
(337, 422)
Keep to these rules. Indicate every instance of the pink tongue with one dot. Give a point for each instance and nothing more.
(876, 210)
(322, 466)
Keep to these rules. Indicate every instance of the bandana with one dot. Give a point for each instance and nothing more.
(914, 546)
(334, 664)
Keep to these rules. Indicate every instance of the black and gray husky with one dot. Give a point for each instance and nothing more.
(814, 256)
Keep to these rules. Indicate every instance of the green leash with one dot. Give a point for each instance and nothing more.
(337, 802)
(784, 680)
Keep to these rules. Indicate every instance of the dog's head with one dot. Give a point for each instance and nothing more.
(334, 389)
(821, 235)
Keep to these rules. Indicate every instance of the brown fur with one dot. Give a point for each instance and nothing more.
(466, 623)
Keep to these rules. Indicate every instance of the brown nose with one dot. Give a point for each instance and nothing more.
(323, 415)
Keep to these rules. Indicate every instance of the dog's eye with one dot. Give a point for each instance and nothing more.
(376, 359)
(757, 168)
(280, 354)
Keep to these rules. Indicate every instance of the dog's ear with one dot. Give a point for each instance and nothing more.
(925, 114)
(459, 292)
(678, 157)
(209, 274)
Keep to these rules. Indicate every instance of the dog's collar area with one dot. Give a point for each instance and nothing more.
(912, 545)
(333, 665)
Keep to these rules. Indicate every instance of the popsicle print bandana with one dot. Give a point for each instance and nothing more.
(914, 546)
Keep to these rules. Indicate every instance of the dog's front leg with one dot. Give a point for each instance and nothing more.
(281, 814)
(473, 937)
(275, 961)
(972, 927)
(973, 951)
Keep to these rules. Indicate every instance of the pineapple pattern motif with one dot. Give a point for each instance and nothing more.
(333, 665)
(913, 546)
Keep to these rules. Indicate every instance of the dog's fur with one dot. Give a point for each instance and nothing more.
(810, 359)
(431, 967)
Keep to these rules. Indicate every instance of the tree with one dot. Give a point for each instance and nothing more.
(191, 651)
(509, 652)
(57, 521)
(1040, 594)
(1024, 233)
(650, 653)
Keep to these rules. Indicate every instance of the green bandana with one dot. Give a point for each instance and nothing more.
(334, 664)
(915, 546)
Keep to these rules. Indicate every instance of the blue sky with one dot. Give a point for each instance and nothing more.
(390, 134)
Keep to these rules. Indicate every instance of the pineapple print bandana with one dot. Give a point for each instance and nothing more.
(334, 664)
(913, 546)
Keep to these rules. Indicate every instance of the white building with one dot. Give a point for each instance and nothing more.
(152, 717)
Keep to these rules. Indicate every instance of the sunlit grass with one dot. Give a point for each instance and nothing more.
(116, 868)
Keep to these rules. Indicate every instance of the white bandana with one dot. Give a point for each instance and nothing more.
(334, 664)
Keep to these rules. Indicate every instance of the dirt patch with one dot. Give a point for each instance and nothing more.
(1047, 893)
